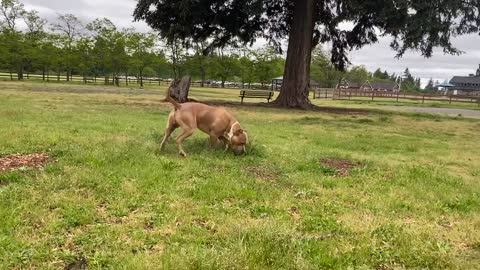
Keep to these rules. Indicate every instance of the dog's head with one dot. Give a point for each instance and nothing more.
(237, 139)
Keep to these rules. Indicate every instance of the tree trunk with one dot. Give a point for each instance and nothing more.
(203, 77)
(43, 74)
(126, 78)
(295, 85)
(58, 74)
(179, 89)
(141, 78)
(20, 73)
(117, 79)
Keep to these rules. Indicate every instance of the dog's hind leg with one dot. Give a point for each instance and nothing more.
(171, 126)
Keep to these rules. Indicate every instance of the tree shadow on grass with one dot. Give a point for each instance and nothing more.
(315, 108)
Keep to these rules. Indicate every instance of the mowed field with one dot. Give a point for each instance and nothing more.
(112, 201)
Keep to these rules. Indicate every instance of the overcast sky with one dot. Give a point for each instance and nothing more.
(439, 67)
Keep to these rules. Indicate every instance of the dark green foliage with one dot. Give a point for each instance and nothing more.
(420, 25)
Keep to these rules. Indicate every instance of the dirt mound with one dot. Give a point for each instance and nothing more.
(341, 166)
(17, 161)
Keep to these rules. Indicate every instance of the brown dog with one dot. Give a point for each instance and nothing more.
(216, 122)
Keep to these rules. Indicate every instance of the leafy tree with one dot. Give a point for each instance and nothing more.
(420, 25)
(430, 86)
(358, 74)
(33, 38)
(267, 65)
(410, 83)
(197, 64)
(247, 71)
(12, 11)
(223, 66)
(160, 64)
(12, 47)
(322, 69)
(140, 47)
(109, 47)
(86, 56)
(177, 57)
(69, 29)
(378, 74)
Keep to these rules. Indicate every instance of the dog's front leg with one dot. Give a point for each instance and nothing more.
(213, 141)
(225, 141)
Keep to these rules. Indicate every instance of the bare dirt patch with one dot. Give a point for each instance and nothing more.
(79, 264)
(18, 161)
(342, 167)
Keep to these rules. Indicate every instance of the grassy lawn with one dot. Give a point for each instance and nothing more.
(113, 200)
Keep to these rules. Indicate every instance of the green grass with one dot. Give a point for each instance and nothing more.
(114, 200)
(379, 102)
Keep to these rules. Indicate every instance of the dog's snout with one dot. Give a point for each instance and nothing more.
(239, 150)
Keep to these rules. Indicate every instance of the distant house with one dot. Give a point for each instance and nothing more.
(368, 86)
(466, 85)
(345, 84)
(277, 83)
(381, 86)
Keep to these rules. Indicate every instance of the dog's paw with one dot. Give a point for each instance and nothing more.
(182, 153)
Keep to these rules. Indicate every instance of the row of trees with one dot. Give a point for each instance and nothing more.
(323, 71)
(101, 49)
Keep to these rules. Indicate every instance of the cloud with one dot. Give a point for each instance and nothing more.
(440, 66)
(120, 12)
(379, 55)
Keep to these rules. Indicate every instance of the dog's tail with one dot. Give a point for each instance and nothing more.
(168, 98)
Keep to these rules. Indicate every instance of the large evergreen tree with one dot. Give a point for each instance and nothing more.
(422, 25)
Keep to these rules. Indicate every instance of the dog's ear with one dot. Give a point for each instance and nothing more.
(238, 132)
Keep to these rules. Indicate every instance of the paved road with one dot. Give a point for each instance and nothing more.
(447, 111)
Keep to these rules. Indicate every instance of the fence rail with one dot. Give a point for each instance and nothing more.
(356, 94)
(109, 80)
(319, 93)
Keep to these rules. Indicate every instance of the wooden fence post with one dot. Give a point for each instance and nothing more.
(373, 94)
(398, 93)
(423, 98)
